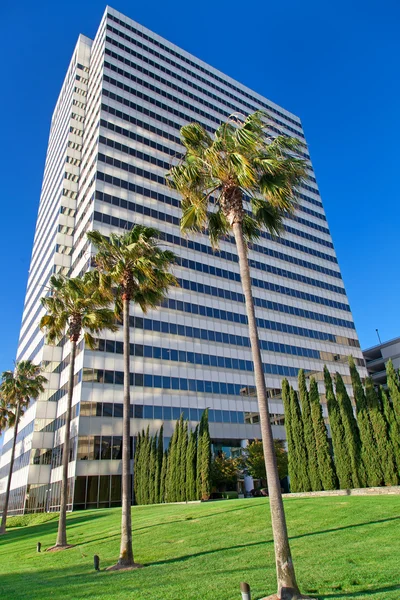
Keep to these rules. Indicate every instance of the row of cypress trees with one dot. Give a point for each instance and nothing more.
(179, 474)
(365, 446)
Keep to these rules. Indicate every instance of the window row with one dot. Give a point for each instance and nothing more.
(196, 358)
(173, 383)
(98, 447)
(261, 266)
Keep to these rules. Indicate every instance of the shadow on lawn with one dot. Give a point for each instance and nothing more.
(15, 534)
(360, 593)
(294, 537)
(186, 520)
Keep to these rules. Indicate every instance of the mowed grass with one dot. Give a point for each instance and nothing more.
(343, 547)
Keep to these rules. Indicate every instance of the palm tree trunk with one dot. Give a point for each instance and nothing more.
(284, 565)
(5, 509)
(126, 551)
(62, 523)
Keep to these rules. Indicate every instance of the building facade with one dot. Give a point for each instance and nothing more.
(377, 356)
(114, 133)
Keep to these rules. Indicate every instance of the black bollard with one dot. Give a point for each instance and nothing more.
(245, 589)
(38, 547)
(96, 560)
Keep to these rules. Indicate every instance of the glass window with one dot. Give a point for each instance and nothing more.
(116, 449)
(148, 381)
(185, 412)
(211, 416)
(240, 417)
(194, 414)
(157, 381)
(96, 454)
(234, 416)
(175, 383)
(166, 383)
(176, 413)
(148, 412)
(108, 376)
(99, 409)
(218, 416)
(118, 410)
(92, 489)
(167, 412)
(138, 411)
(226, 416)
(158, 412)
(106, 447)
(107, 409)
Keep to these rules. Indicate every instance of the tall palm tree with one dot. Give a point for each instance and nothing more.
(75, 305)
(241, 182)
(139, 269)
(17, 389)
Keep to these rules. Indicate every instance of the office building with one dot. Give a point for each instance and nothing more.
(114, 133)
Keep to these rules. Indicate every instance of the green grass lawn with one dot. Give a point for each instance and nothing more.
(343, 547)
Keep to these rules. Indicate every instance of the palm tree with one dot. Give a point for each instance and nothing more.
(139, 269)
(17, 389)
(74, 305)
(240, 182)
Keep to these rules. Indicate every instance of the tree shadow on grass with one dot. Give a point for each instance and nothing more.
(16, 534)
(261, 543)
(185, 520)
(360, 593)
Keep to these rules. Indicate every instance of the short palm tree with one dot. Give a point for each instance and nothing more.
(241, 182)
(17, 389)
(139, 269)
(75, 305)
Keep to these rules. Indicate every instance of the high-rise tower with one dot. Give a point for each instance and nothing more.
(114, 133)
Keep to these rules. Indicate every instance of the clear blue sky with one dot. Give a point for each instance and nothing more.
(335, 64)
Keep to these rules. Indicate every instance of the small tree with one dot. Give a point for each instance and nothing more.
(160, 455)
(352, 434)
(198, 455)
(224, 472)
(205, 460)
(163, 475)
(253, 460)
(342, 462)
(294, 475)
(170, 486)
(299, 443)
(392, 424)
(17, 389)
(191, 466)
(183, 443)
(325, 462)
(383, 443)
(370, 457)
(393, 382)
(309, 437)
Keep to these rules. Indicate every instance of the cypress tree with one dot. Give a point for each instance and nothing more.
(351, 432)
(309, 437)
(191, 466)
(383, 443)
(325, 463)
(163, 475)
(136, 469)
(342, 464)
(299, 442)
(392, 424)
(144, 479)
(393, 383)
(177, 460)
(198, 456)
(170, 477)
(152, 471)
(205, 459)
(160, 454)
(183, 461)
(292, 460)
(370, 457)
